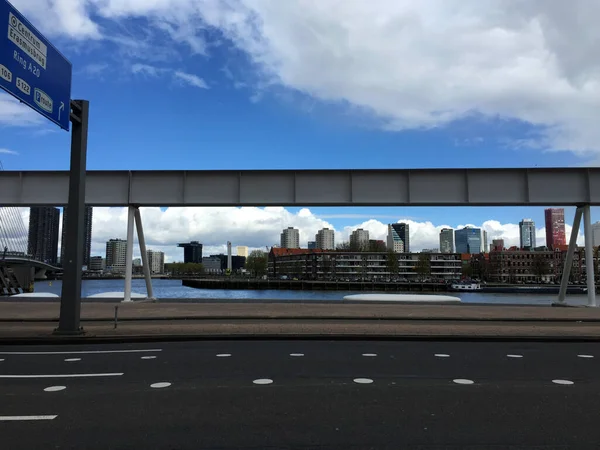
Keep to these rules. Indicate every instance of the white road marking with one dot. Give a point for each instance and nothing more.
(579, 356)
(566, 382)
(442, 355)
(148, 357)
(54, 388)
(162, 384)
(263, 381)
(6, 418)
(369, 354)
(514, 356)
(72, 359)
(363, 380)
(223, 355)
(66, 375)
(296, 354)
(463, 381)
(83, 352)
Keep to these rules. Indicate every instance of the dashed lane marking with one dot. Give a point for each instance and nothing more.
(54, 388)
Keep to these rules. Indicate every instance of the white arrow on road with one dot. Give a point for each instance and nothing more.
(62, 107)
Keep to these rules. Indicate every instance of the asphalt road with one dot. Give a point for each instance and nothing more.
(329, 395)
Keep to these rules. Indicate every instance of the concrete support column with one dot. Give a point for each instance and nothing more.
(129, 254)
(142, 240)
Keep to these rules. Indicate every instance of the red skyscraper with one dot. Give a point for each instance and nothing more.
(555, 227)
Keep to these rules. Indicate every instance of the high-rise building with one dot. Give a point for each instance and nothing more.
(290, 238)
(116, 254)
(398, 239)
(469, 240)
(156, 261)
(447, 240)
(325, 239)
(87, 235)
(192, 252)
(527, 234)
(359, 240)
(43, 234)
(312, 245)
(242, 250)
(596, 234)
(377, 245)
(484, 241)
(555, 227)
(497, 245)
(97, 263)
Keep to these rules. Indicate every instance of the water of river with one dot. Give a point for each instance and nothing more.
(172, 289)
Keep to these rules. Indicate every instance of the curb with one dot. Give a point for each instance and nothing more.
(82, 340)
(308, 318)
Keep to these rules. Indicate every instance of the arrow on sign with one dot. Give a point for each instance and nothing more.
(62, 107)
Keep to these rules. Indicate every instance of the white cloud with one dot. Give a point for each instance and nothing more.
(409, 64)
(145, 69)
(5, 151)
(191, 79)
(17, 114)
(66, 17)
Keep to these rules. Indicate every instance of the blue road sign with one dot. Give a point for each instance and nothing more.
(31, 68)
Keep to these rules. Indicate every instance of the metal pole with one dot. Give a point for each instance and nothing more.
(129, 254)
(142, 240)
(589, 255)
(564, 281)
(70, 302)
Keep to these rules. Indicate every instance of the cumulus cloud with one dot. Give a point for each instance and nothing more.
(17, 114)
(408, 64)
(66, 17)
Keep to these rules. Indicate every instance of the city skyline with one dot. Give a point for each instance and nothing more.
(161, 234)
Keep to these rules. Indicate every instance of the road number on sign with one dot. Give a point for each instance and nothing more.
(23, 86)
(5, 74)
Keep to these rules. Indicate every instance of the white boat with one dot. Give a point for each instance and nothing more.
(465, 286)
(35, 295)
(120, 295)
(400, 298)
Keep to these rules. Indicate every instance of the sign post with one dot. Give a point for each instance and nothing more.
(36, 73)
(70, 298)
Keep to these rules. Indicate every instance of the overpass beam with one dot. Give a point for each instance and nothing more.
(129, 254)
(589, 256)
(142, 240)
(566, 273)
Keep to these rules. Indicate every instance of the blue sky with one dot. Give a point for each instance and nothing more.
(295, 85)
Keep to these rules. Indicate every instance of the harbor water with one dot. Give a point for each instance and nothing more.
(169, 290)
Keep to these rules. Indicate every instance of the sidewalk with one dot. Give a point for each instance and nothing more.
(48, 312)
(35, 321)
